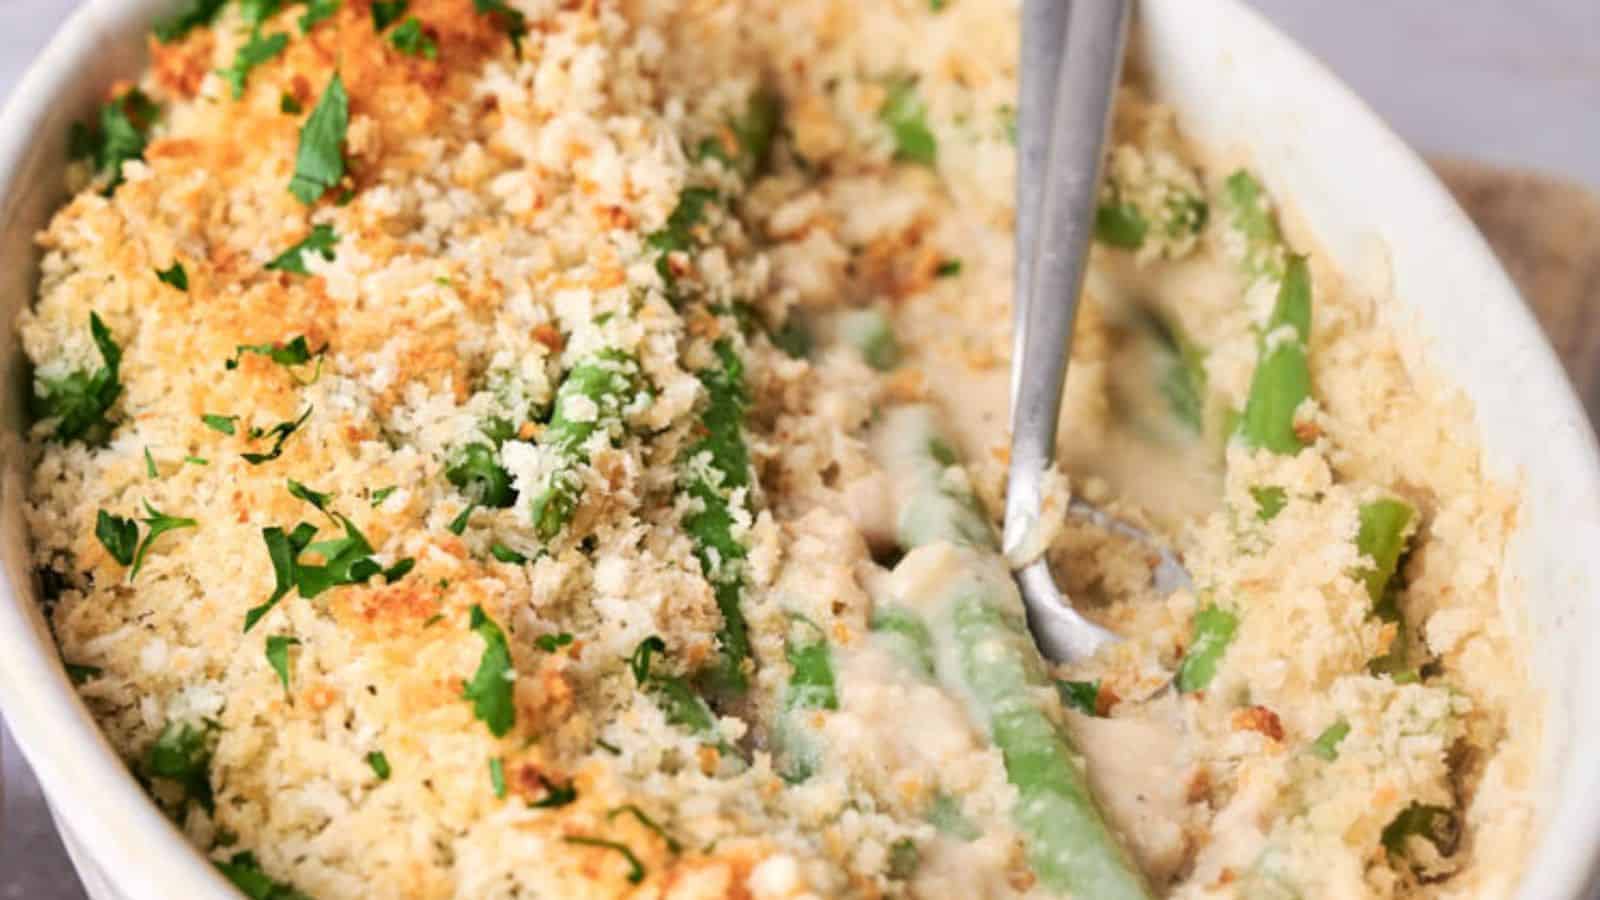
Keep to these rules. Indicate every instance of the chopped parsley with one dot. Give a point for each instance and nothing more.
(1326, 746)
(497, 777)
(289, 105)
(121, 133)
(280, 433)
(903, 111)
(950, 268)
(507, 555)
(347, 560)
(550, 643)
(382, 494)
(81, 674)
(459, 523)
(118, 535)
(678, 701)
(511, 21)
(150, 465)
(224, 424)
(386, 13)
(296, 352)
(677, 234)
(379, 764)
(319, 499)
(1083, 696)
(554, 794)
(79, 401)
(259, 49)
(411, 40)
(175, 276)
(316, 11)
(1437, 825)
(646, 821)
(635, 868)
(278, 656)
(319, 164)
(246, 874)
(490, 689)
(182, 753)
(477, 472)
(197, 460)
(321, 241)
(194, 14)
(255, 12)
(904, 859)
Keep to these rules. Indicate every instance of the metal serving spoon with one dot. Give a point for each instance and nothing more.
(1072, 53)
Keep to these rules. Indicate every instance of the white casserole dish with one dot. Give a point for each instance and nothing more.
(1239, 86)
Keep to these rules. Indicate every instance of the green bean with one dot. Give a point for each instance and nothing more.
(811, 687)
(1170, 211)
(593, 396)
(907, 118)
(1248, 211)
(905, 635)
(869, 331)
(716, 475)
(1381, 538)
(1282, 379)
(976, 622)
(1214, 628)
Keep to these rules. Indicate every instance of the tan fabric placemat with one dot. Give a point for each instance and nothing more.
(1547, 233)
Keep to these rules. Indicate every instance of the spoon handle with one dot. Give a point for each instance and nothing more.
(1091, 61)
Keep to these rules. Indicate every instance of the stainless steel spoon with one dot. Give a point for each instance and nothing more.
(1072, 53)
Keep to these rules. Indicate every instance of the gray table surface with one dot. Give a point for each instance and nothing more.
(1511, 83)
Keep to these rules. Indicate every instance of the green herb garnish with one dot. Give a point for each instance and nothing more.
(1326, 746)
(411, 40)
(80, 400)
(507, 555)
(550, 643)
(635, 868)
(118, 535)
(81, 674)
(347, 560)
(191, 16)
(382, 494)
(379, 764)
(511, 21)
(278, 656)
(150, 465)
(490, 689)
(903, 111)
(316, 498)
(459, 523)
(386, 13)
(317, 11)
(246, 874)
(554, 794)
(175, 276)
(477, 472)
(646, 821)
(1083, 696)
(224, 424)
(280, 433)
(182, 753)
(121, 133)
(319, 165)
(259, 49)
(321, 241)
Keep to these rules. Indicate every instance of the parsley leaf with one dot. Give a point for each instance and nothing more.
(120, 134)
(255, 12)
(278, 656)
(315, 498)
(555, 794)
(497, 777)
(317, 11)
(158, 523)
(191, 16)
(289, 106)
(386, 13)
(224, 424)
(81, 674)
(646, 821)
(297, 352)
(175, 276)
(677, 234)
(182, 753)
(950, 268)
(259, 49)
(411, 40)
(281, 433)
(550, 643)
(382, 494)
(321, 240)
(119, 536)
(150, 465)
(1326, 746)
(678, 701)
(490, 688)
(346, 560)
(459, 523)
(319, 165)
(246, 874)
(379, 764)
(635, 868)
(507, 555)
(512, 22)
(80, 400)
(1083, 696)
(903, 111)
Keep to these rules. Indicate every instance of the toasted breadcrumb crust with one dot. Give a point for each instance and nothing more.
(493, 230)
